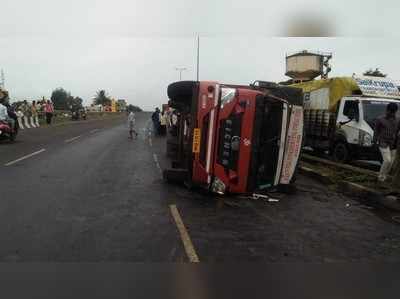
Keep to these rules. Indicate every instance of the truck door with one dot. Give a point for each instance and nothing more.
(348, 121)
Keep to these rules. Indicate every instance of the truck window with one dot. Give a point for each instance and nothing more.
(351, 109)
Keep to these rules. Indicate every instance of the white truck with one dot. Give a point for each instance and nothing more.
(339, 114)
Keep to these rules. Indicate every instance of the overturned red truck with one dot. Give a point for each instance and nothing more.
(236, 139)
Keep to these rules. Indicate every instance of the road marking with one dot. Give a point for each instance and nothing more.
(24, 157)
(150, 141)
(94, 131)
(157, 163)
(73, 139)
(187, 242)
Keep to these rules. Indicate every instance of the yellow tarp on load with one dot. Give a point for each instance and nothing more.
(338, 88)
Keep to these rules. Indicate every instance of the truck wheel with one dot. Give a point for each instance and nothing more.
(341, 152)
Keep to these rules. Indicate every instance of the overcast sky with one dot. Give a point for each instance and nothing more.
(131, 48)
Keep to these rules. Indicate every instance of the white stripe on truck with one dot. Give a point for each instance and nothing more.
(210, 133)
(282, 144)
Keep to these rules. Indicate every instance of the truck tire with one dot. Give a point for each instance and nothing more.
(341, 152)
(181, 92)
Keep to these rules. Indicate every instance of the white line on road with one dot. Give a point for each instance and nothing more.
(94, 131)
(187, 242)
(157, 163)
(73, 139)
(24, 157)
(150, 141)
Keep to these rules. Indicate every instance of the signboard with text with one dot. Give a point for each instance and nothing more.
(293, 145)
(196, 141)
(378, 87)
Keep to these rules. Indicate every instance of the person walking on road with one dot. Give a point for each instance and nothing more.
(49, 110)
(156, 121)
(387, 128)
(131, 125)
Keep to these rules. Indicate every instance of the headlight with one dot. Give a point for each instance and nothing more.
(218, 186)
(365, 138)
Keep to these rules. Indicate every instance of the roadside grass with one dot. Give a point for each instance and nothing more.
(337, 174)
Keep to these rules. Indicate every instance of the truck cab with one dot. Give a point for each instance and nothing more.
(236, 139)
(355, 127)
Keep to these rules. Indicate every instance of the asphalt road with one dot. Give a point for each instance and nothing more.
(84, 192)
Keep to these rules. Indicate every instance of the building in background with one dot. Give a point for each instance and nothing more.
(121, 105)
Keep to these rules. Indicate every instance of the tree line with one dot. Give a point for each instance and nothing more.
(63, 100)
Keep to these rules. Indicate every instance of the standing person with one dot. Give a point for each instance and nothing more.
(131, 125)
(155, 117)
(49, 110)
(34, 115)
(163, 123)
(26, 110)
(386, 133)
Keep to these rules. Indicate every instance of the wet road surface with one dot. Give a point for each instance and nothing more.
(86, 193)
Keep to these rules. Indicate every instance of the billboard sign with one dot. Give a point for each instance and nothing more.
(378, 87)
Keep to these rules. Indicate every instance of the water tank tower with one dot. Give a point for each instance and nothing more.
(306, 66)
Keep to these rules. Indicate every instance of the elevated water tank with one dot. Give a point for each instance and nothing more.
(305, 66)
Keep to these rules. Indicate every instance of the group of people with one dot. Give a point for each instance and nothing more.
(163, 120)
(23, 114)
(159, 119)
(28, 113)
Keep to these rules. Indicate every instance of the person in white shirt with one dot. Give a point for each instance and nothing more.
(131, 125)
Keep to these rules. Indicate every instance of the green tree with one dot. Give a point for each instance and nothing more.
(375, 73)
(134, 108)
(102, 98)
(60, 98)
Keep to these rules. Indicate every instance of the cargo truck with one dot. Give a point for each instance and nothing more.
(339, 114)
(236, 139)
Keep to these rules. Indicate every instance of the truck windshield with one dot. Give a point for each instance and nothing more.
(373, 110)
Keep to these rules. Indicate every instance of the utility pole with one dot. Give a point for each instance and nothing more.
(198, 57)
(2, 80)
(180, 70)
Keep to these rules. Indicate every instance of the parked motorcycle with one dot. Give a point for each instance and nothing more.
(6, 132)
(83, 115)
(75, 115)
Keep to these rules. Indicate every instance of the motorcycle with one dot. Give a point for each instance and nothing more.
(75, 115)
(6, 132)
(84, 115)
